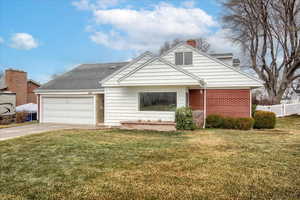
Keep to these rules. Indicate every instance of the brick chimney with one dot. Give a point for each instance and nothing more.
(16, 81)
(191, 42)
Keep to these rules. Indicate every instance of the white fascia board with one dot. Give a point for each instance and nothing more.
(126, 66)
(82, 91)
(178, 68)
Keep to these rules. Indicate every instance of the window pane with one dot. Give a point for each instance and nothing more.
(188, 58)
(178, 58)
(158, 101)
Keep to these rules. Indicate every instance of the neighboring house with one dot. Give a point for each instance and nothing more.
(147, 88)
(7, 103)
(16, 81)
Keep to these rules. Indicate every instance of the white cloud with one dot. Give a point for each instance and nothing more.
(220, 43)
(96, 4)
(23, 41)
(148, 29)
(188, 4)
(82, 4)
(1, 40)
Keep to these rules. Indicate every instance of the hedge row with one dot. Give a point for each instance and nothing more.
(262, 119)
(218, 121)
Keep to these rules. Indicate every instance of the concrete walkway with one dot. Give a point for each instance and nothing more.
(13, 132)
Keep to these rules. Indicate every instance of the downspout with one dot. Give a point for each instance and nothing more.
(204, 112)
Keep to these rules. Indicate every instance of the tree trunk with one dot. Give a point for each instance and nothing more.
(275, 97)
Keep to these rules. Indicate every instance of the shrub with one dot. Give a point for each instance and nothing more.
(184, 119)
(244, 123)
(21, 117)
(229, 123)
(214, 121)
(254, 106)
(217, 121)
(264, 119)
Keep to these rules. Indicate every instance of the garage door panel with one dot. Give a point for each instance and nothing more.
(71, 110)
(69, 107)
(70, 100)
(67, 121)
(69, 114)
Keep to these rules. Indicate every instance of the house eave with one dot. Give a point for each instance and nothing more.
(78, 91)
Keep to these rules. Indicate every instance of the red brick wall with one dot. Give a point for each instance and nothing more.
(196, 99)
(16, 82)
(228, 102)
(31, 96)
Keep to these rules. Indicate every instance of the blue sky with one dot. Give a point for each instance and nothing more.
(44, 37)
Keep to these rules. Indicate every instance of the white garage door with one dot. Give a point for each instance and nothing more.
(68, 110)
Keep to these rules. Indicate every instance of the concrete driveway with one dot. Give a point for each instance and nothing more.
(13, 132)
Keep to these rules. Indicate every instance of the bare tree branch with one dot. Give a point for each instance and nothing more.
(268, 31)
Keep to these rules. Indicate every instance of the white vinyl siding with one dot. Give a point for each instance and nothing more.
(214, 73)
(158, 73)
(68, 110)
(122, 104)
(114, 80)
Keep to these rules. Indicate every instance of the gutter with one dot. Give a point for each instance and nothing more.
(79, 91)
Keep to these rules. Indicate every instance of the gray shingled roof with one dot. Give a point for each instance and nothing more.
(85, 76)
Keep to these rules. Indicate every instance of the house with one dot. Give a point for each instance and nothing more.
(147, 88)
(15, 81)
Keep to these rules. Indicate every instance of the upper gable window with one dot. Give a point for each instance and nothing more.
(179, 58)
(183, 58)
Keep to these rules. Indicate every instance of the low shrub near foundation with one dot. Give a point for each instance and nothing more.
(184, 119)
(264, 119)
(229, 123)
(244, 123)
(214, 121)
(218, 121)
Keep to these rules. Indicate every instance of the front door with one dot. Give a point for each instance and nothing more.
(196, 99)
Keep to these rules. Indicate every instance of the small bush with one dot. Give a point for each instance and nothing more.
(21, 117)
(229, 123)
(214, 121)
(244, 123)
(184, 119)
(254, 106)
(217, 121)
(264, 119)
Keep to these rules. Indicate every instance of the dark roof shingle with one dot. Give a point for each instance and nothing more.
(85, 76)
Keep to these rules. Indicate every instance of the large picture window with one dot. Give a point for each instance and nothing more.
(158, 101)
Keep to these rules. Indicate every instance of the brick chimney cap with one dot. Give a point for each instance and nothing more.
(15, 70)
(192, 42)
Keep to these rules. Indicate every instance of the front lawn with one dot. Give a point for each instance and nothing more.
(114, 164)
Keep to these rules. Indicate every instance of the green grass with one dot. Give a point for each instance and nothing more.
(17, 124)
(114, 164)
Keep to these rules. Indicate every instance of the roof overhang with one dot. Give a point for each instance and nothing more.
(80, 91)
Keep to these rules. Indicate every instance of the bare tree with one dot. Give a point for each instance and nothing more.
(202, 45)
(269, 33)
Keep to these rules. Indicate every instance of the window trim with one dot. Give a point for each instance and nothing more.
(183, 56)
(139, 101)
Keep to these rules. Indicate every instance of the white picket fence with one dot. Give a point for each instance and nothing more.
(282, 110)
